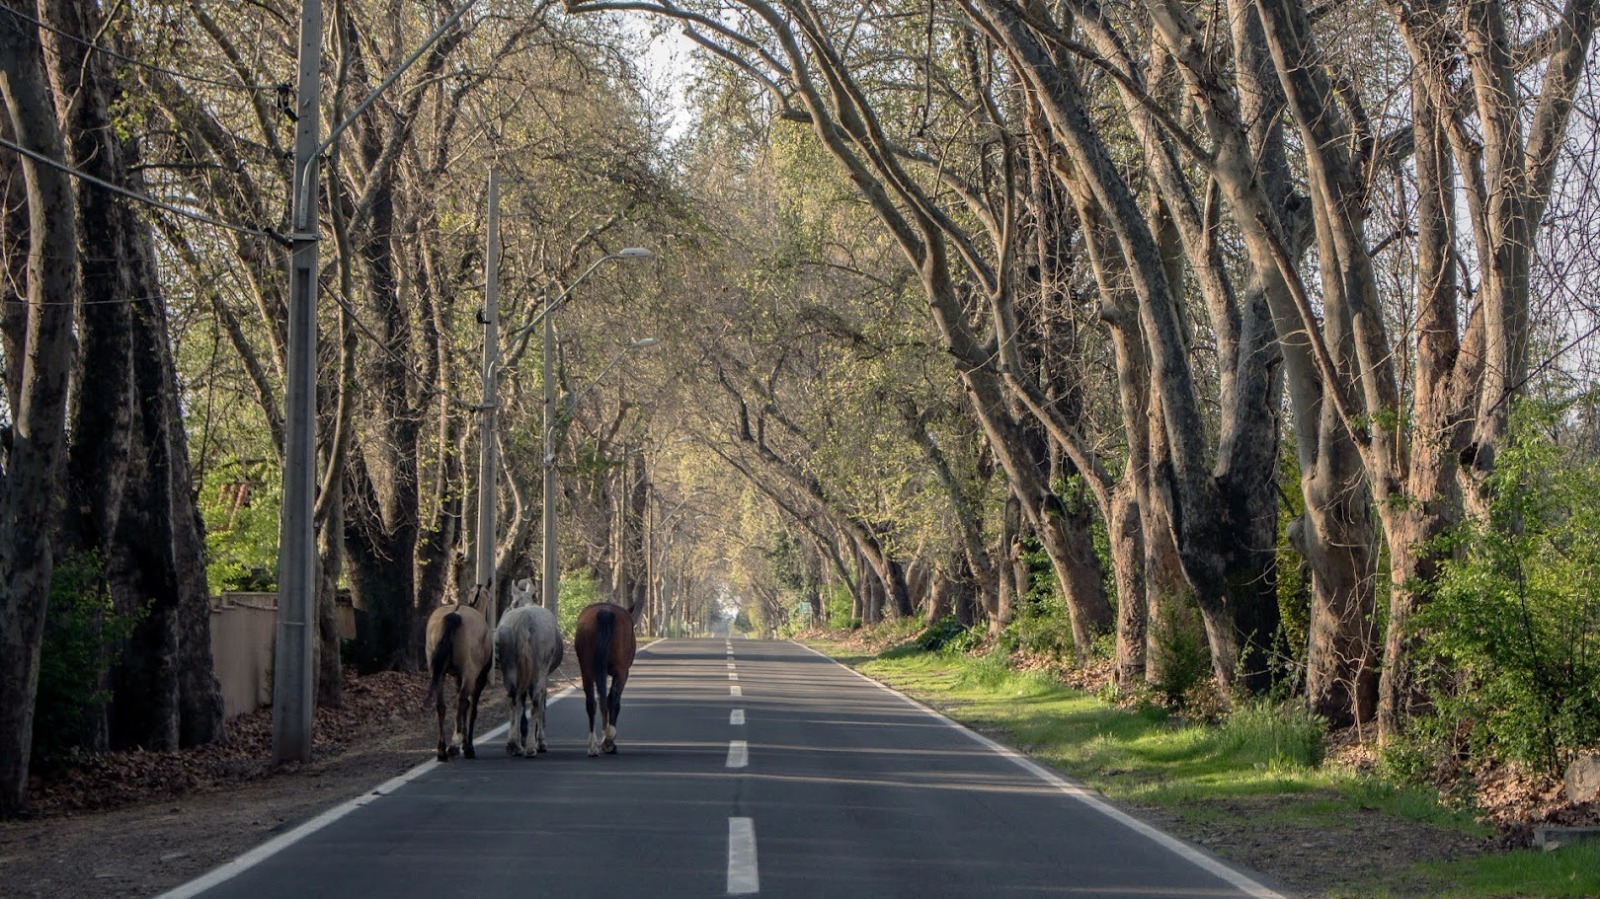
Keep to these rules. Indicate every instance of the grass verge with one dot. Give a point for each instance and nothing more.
(1253, 789)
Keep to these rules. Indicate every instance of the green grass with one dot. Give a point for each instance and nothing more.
(1262, 762)
(1138, 755)
(1569, 873)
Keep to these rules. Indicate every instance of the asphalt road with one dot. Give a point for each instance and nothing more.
(745, 768)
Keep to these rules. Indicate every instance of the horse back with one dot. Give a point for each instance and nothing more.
(606, 623)
(528, 637)
(460, 634)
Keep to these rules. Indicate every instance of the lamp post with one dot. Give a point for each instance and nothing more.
(486, 486)
(488, 451)
(551, 577)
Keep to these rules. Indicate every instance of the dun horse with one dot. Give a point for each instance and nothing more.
(459, 645)
(604, 644)
(528, 646)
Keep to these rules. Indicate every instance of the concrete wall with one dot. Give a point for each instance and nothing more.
(243, 629)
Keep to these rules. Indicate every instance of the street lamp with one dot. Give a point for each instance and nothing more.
(488, 472)
(551, 578)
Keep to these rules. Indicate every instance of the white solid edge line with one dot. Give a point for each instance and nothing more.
(744, 878)
(231, 869)
(1083, 794)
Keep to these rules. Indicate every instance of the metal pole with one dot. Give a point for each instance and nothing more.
(552, 578)
(488, 449)
(297, 556)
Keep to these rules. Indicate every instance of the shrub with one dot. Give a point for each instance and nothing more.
(1513, 633)
(82, 629)
(1041, 624)
(578, 589)
(1181, 657)
(836, 605)
(941, 633)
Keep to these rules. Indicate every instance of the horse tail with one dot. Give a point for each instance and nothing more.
(604, 625)
(443, 653)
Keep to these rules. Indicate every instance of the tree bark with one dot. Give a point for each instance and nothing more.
(128, 473)
(31, 490)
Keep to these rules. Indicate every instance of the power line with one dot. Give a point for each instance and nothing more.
(118, 302)
(199, 79)
(142, 198)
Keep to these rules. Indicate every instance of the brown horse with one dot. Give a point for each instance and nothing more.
(459, 644)
(604, 644)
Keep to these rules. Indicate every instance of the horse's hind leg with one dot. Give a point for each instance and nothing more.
(461, 717)
(537, 701)
(514, 723)
(612, 711)
(472, 711)
(444, 747)
(588, 705)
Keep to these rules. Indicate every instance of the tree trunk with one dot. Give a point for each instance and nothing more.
(128, 471)
(31, 490)
(330, 569)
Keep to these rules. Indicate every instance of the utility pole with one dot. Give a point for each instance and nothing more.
(489, 449)
(292, 679)
(550, 595)
(552, 578)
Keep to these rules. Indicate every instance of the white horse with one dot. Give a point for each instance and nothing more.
(527, 645)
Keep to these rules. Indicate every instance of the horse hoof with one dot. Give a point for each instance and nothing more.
(511, 749)
(469, 752)
(594, 753)
(543, 748)
(443, 756)
(609, 748)
(452, 752)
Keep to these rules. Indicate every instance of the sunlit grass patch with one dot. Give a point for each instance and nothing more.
(1573, 871)
(1144, 755)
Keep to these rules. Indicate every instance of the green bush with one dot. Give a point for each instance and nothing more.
(941, 633)
(578, 589)
(82, 629)
(836, 606)
(241, 537)
(1041, 624)
(1513, 632)
(1181, 655)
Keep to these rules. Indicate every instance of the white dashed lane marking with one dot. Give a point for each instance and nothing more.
(743, 877)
